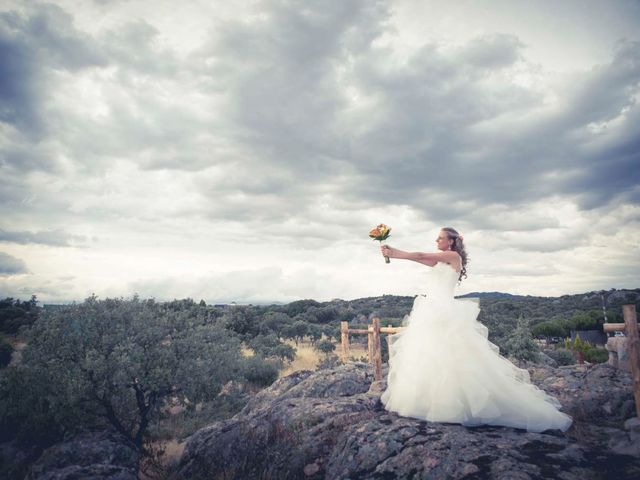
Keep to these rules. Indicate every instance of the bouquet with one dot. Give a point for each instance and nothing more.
(381, 233)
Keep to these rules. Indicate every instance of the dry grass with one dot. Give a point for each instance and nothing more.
(307, 357)
(247, 351)
(173, 449)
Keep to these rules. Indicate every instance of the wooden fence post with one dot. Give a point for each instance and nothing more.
(370, 344)
(631, 327)
(344, 339)
(377, 350)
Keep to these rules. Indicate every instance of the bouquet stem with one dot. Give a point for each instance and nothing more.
(386, 259)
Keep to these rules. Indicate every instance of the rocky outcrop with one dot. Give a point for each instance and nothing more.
(16, 458)
(100, 455)
(330, 424)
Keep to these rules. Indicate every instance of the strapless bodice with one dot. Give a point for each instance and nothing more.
(441, 281)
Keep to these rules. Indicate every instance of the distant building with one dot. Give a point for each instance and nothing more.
(595, 337)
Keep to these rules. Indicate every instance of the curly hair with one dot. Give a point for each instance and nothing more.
(458, 246)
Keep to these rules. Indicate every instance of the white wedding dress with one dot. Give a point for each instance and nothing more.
(443, 368)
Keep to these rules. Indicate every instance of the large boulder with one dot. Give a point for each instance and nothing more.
(597, 394)
(331, 424)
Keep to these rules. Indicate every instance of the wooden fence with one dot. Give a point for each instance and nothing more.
(374, 348)
(630, 328)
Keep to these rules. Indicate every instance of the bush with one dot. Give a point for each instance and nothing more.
(28, 408)
(260, 372)
(578, 345)
(6, 350)
(520, 344)
(15, 314)
(325, 346)
(551, 328)
(270, 346)
(596, 355)
(562, 356)
(329, 361)
(284, 352)
(591, 320)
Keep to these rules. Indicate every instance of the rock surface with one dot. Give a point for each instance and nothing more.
(100, 455)
(330, 424)
(16, 458)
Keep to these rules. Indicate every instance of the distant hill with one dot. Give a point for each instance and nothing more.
(490, 295)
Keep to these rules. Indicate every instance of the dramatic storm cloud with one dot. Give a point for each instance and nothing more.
(242, 152)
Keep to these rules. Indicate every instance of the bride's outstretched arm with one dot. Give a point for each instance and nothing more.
(421, 257)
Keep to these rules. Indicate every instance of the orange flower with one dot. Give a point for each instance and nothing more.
(381, 232)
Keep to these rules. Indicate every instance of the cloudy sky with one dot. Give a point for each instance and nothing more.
(241, 151)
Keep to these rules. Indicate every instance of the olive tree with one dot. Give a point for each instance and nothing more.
(271, 346)
(325, 346)
(124, 360)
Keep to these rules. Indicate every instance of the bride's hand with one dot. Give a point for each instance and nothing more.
(387, 251)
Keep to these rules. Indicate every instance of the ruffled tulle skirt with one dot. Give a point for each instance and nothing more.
(443, 368)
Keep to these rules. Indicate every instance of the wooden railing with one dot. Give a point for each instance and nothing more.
(374, 349)
(630, 328)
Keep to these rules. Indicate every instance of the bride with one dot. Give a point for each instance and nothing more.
(443, 368)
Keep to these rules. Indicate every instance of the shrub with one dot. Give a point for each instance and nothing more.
(325, 346)
(329, 361)
(591, 320)
(284, 352)
(596, 355)
(550, 328)
(260, 372)
(577, 345)
(6, 350)
(28, 408)
(520, 342)
(15, 314)
(562, 356)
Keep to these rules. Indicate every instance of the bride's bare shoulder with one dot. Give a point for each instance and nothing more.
(454, 259)
(452, 255)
